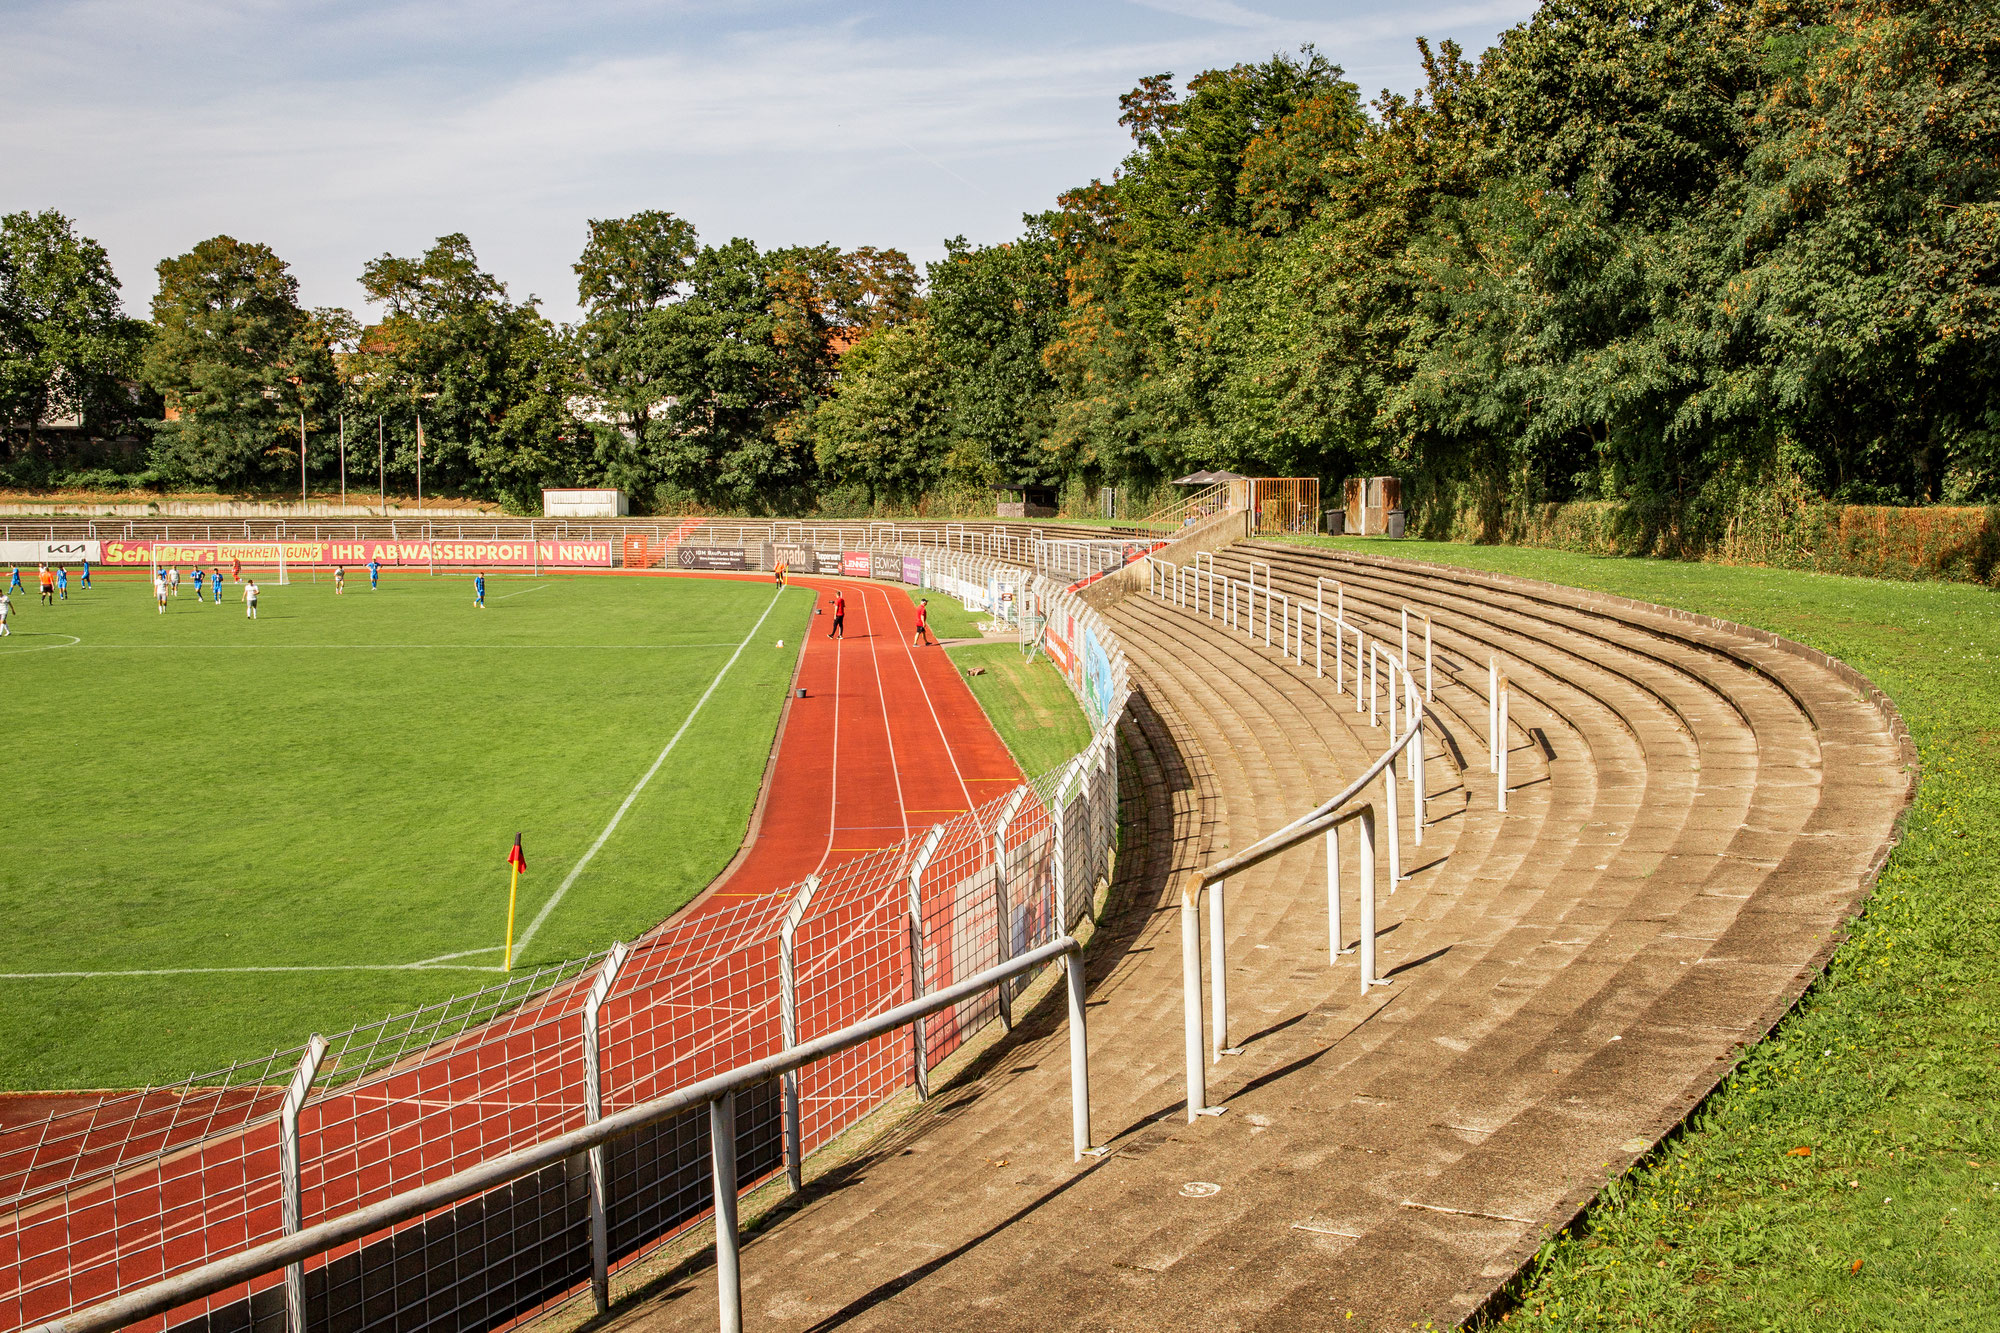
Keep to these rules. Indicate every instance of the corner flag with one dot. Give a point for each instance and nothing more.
(517, 861)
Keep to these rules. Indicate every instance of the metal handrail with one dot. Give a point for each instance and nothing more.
(1324, 818)
(168, 1294)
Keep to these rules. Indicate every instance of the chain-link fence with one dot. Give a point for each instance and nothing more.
(129, 1189)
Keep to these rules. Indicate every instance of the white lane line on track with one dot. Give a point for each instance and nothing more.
(910, 651)
(882, 696)
(833, 769)
(528, 935)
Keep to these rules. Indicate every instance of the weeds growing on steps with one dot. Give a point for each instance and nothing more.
(1847, 1173)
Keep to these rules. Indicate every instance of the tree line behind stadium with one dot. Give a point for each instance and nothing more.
(1707, 262)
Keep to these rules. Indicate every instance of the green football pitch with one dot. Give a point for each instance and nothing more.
(194, 796)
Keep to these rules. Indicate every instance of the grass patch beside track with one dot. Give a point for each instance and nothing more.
(1029, 703)
(1847, 1173)
(336, 784)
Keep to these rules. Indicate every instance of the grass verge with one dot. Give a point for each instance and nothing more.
(1844, 1177)
(1029, 704)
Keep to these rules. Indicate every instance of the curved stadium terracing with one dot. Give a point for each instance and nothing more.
(1694, 809)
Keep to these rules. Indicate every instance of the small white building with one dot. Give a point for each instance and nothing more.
(592, 502)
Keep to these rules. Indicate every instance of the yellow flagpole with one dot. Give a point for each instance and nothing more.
(514, 883)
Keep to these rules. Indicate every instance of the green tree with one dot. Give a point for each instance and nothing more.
(66, 346)
(489, 378)
(630, 268)
(885, 426)
(236, 361)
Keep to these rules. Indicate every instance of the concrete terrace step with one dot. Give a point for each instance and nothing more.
(1568, 979)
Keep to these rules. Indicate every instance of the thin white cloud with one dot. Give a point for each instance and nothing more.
(338, 131)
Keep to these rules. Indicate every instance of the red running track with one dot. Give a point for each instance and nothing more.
(886, 741)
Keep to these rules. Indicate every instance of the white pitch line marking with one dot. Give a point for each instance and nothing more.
(633, 795)
(519, 592)
(197, 971)
(40, 647)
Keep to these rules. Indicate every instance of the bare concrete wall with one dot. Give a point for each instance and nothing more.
(1224, 529)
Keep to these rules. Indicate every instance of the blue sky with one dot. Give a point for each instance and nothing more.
(334, 132)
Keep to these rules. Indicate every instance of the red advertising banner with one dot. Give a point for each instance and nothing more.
(500, 553)
(856, 564)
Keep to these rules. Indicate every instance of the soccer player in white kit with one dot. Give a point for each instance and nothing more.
(174, 579)
(160, 591)
(250, 599)
(6, 614)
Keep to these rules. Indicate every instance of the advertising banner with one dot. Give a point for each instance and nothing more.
(1096, 678)
(711, 557)
(855, 565)
(1055, 642)
(888, 567)
(828, 562)
(50, 553)
(499, 553)
(798, 559)
(913, 569)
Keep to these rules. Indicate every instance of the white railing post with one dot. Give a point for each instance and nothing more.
(595, 1182)
(1003, 907)
(1218, 970)
(1197, 1059)
(788, 1026)
(1500, 732)
(1374, 716)
(291, 1202)
(1367, 886)
(1079, 1058)
(1492, 715)
(728, 1257)
(1333, 945)
(919, 1037)
(1413, 765)
(1360, 641)
(1428, 696)
(1389, 815)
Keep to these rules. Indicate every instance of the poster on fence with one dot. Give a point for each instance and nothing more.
(798, 559)
(888, 567)
(711, 557)
(1096, 678)
(855, 565)
(500, 553)
(827, 562)
(913, 569)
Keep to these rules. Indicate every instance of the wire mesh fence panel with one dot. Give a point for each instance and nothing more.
(134, 1187)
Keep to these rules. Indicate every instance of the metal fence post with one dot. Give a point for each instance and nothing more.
(1197, 1062)
(1003, 908)
(1079, 1059)
(1389, 802)
(290, 1198)
(1367, 899)
(1374, 717)
(788, 1026)
(919, 1036)
(728, 1257)
(1360, 641)
(1218, 970)
(593, 1110)
(1427, 660)
(1413, 765)
(1333, 946)
(1500, 738)
(1492, 714)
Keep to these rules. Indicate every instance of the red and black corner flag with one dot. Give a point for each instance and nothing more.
(516, 858)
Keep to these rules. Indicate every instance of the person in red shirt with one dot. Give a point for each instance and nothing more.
(923, 634)
(839, 630)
